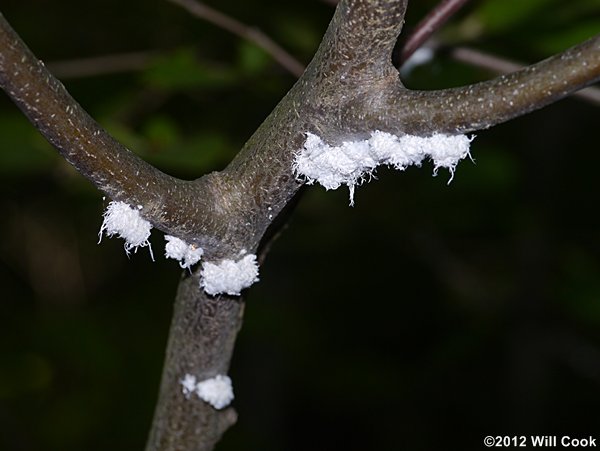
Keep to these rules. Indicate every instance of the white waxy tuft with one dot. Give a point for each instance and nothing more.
(187, 254)
(354, 161)
(217, 391)
(125, 221)
(229, 276)
(188, 384)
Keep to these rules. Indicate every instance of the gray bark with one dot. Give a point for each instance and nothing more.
(349, 89)
(201, 340)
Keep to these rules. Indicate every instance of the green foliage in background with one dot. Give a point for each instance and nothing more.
(424, 318)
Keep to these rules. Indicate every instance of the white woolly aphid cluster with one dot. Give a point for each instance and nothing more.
(229, 276)
(187, 254)
(217, 391)
(354, 161)
(125, 221)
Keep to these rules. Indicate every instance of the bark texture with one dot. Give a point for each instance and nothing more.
(349, 89)
(201, 340)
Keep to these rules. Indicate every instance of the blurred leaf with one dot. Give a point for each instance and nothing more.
(499, 15)
(559, 40)
(580, 290)
(23, 149)
(252, 59)
(579, 10)
(193, 156)
(124, 135)
(160, 143)
(495, 170)
(182, 70)
(298, 34)
(161, 132)
(24, 373)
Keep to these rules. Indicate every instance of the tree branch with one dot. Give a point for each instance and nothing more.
(44, 100)
(482, 105)
(291, 64)
(175, 206)
(201, 341)
(496, 64)
(429, 25)
(361, 37)
(350, 89)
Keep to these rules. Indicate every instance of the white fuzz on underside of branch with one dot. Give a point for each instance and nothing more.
(228, 276)
(125, 221)
(217, 391)
(353, 162)
(187, 254)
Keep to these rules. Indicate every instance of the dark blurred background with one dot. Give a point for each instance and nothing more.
(424, 318)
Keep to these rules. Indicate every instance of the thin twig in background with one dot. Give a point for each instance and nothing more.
(237, 28)
(101, 65)
(134, 61)
(504, 66)
(432, 22)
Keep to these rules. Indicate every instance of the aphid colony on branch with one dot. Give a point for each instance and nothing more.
(227, 276)
(350, 164)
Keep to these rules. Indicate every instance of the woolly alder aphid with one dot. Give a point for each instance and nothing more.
(353, 162)
(225, 277)
(126, 222)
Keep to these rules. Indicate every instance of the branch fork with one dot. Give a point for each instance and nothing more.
(349, 90)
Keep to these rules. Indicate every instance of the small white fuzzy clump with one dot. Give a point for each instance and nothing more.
(125, 221)
(188, 384)
(217, 391)
(354, 161)
(229, 276)
(187, 254)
